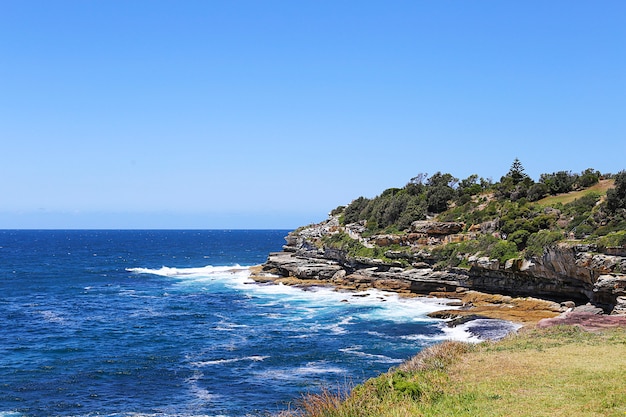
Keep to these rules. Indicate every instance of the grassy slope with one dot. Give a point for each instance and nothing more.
(599, 188)
(560, 371)
(555, 372)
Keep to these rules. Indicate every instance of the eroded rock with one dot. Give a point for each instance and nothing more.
(436, 228)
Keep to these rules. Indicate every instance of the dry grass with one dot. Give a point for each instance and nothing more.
(557, 372)
(564, 372)
(437, 357)
(599, 188)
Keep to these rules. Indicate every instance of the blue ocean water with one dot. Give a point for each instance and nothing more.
(168, 323)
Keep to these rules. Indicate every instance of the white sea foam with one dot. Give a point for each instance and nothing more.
(197, 391)
(423, 337)
(375, 334)
(488, 329)
(312, 368)
(382, 305)
(458, 333)
(474, 331)
(389, 305)
(300, 372)
(158, 415)
(205, 271)
(253, 358)
(52, 317)
(356, 351)
(303, 304)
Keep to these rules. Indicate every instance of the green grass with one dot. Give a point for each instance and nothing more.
(560, 371)
(600, 188)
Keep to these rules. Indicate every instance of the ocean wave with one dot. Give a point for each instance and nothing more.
(307, 303)
(479, 330)
(372, 304)
(201, 278)
(356, 351)
(208, 270)
(253, 358)
(300, 372)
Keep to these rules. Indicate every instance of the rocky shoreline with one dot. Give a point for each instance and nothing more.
(567, 279)
(468, 304)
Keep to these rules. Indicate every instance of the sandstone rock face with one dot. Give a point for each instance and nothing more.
(387, 240)
(563, 273)
(620, 306)
(611, 290)
(289, 264)
(486, 227)
(436, 228)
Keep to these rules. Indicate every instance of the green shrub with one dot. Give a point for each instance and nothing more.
(519, 237)
(613, 239)
(588, 178)
(616, 196)
(582, 205)
(338, 210)
(405, 385)
(503, 251)
(537, 242)
(454, 254)
(615, 223)
(583, 230)
(537, 191)
(353, 247)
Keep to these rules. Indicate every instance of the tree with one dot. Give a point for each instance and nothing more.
(559, 182)
(416, 185)
(588, 178)
(353, 213)
(440, 191)
(516, 173)
(537, 191)
(468, 188)
(416, 209)
(515, 184)
(616, 196)
(442, 180)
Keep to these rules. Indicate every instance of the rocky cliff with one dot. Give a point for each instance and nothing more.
(567, 272)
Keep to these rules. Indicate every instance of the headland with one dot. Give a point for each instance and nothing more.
(488, 245)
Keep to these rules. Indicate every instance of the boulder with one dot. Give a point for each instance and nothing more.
(609, 290)
(620, 306)
(386, 240)
(436, 228)
(288, 264)
(484, 262)
(587, 309)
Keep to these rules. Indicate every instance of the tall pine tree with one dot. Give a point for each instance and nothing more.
(516, 173)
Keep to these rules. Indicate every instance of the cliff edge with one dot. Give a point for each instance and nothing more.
(566, 274)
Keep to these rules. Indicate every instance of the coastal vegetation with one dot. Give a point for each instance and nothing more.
(525, 216)
(555, 371)
(562, 238)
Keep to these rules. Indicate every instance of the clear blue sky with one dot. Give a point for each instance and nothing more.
(269, 114)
